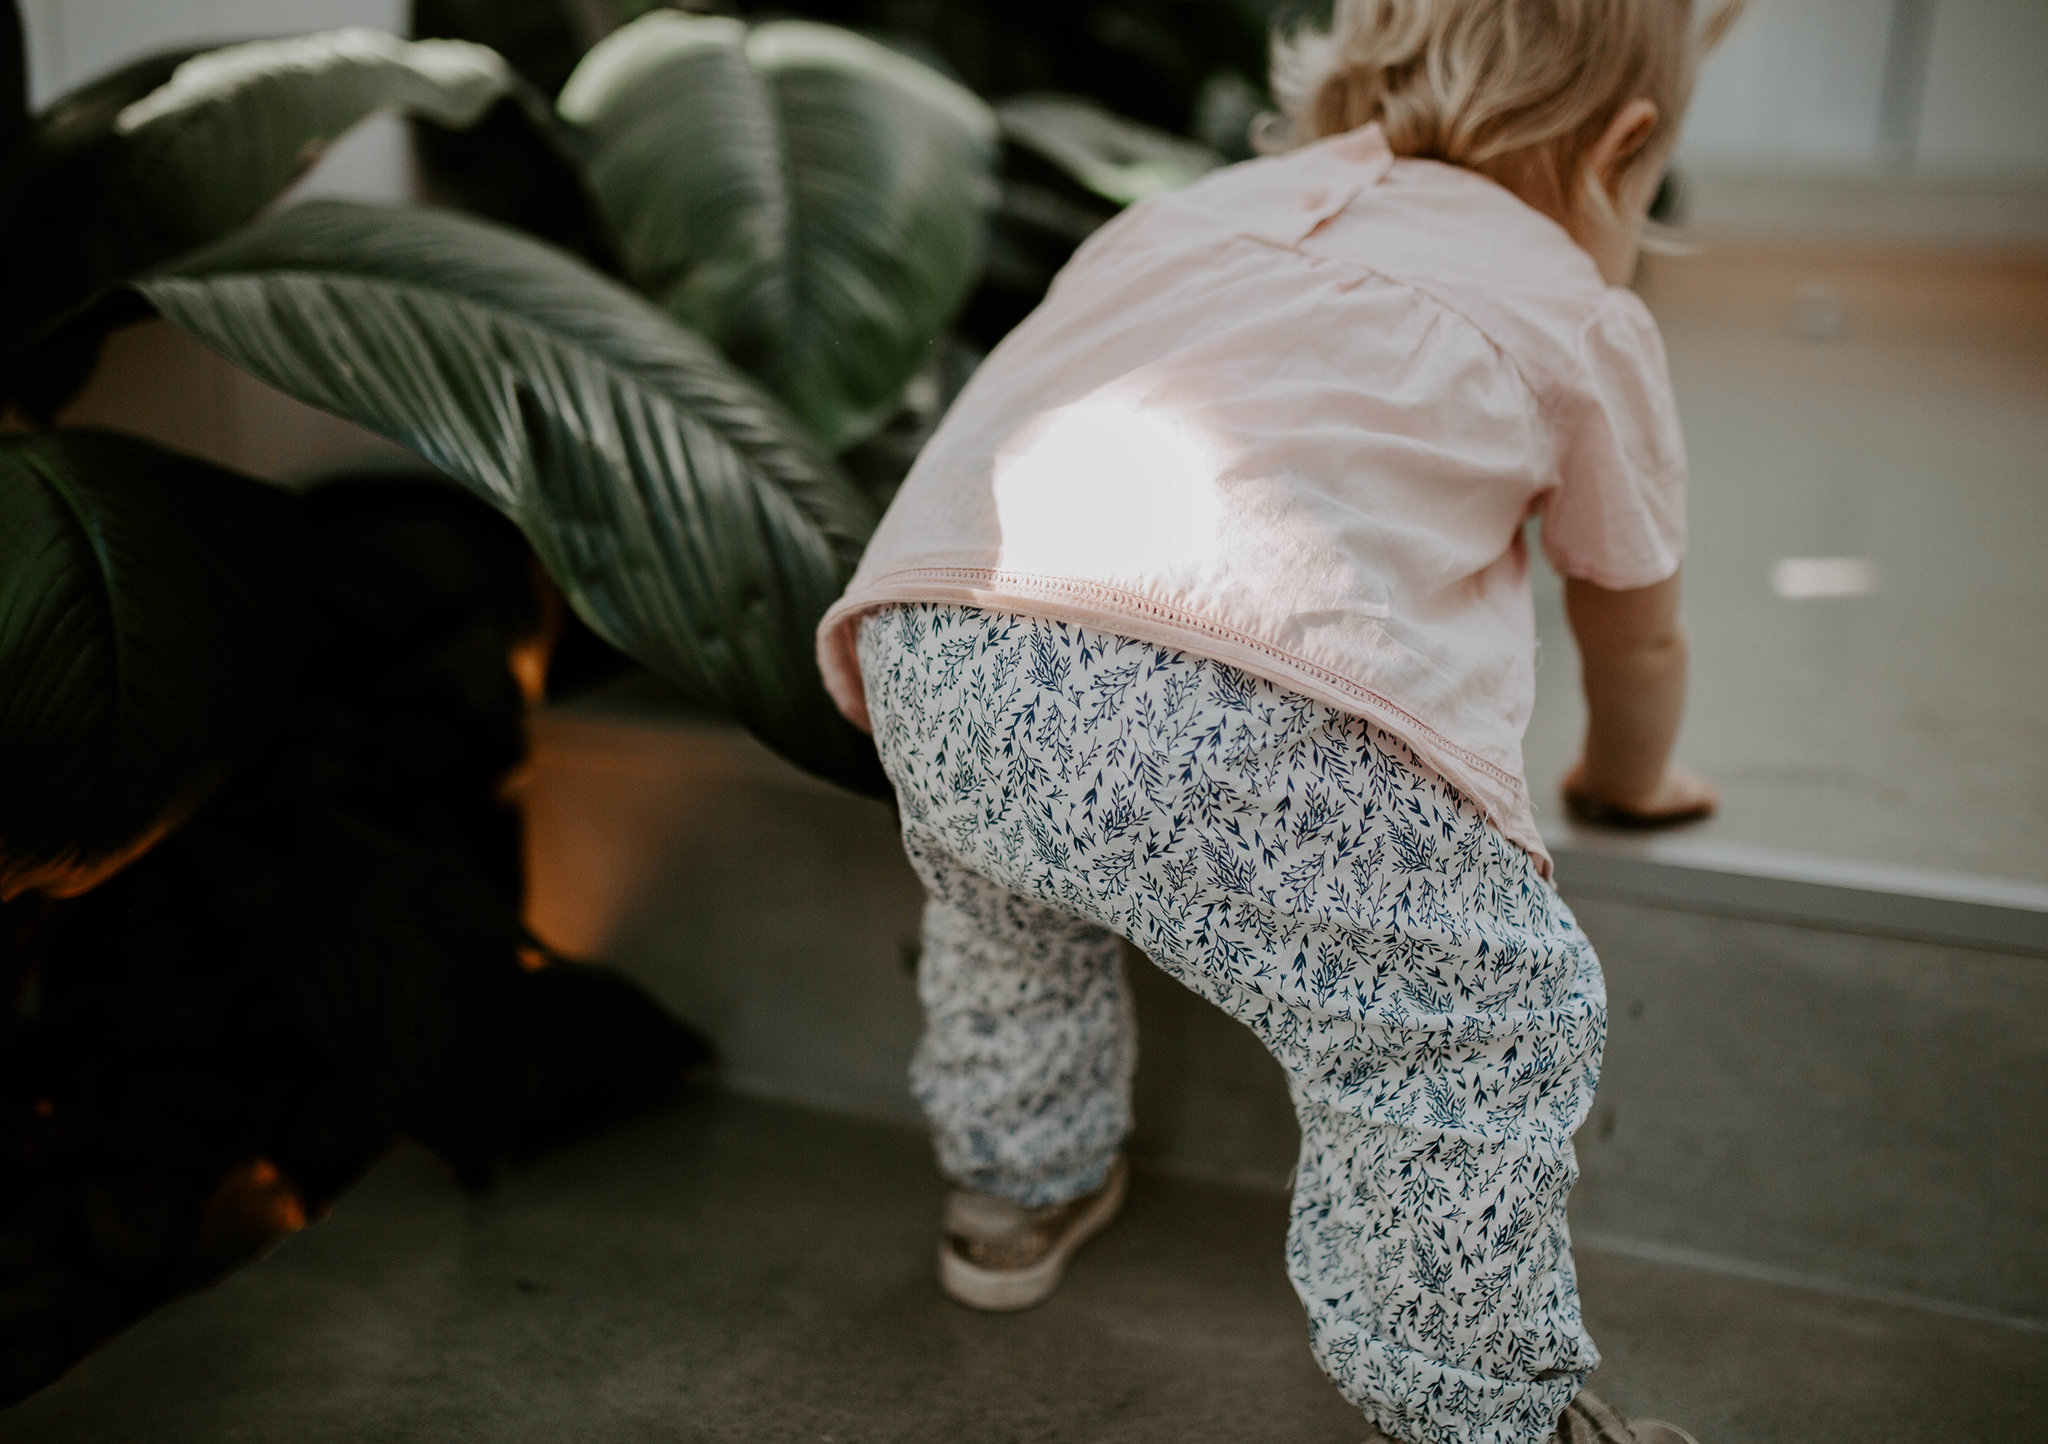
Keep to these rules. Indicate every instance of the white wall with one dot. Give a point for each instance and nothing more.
(1799, 86)
(1796, 82)
(1986, 107)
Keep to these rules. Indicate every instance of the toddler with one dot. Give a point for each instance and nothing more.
(1204, 621)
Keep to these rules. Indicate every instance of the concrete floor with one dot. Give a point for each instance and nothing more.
(1903, 726)
(744, 1271)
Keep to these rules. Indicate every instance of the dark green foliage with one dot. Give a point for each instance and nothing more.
(542, 38)
(130, 170)
(144, 633)
(1147, 59)
(1192, 66)
(373, 837)
(539, 37)
(1068, 166)
(1039, 218)
(62, 164)
(518, 168)
(14, 117)
(879, 464)
(1110, 157)
(686, 517)
(152, 1081)
(216, 1043)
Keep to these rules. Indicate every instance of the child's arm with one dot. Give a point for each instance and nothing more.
(1632, 662)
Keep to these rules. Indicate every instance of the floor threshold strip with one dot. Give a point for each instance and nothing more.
(1702, 874)
(1677, 1256)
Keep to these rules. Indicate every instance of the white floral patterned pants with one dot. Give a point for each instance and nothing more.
(1436, 1008)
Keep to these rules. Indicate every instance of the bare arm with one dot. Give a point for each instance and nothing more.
(1632, 663)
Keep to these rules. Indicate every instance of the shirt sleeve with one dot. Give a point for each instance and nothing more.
(1617, 515)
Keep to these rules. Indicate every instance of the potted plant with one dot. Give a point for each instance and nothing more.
(252, 741)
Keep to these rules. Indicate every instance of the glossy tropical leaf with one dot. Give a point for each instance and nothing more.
(143, 622)
(686, 517)
(173, 151)
(1115, 158)
(810, 201)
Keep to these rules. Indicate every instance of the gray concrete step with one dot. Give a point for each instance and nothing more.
(735, 1270)
(1863, 1110)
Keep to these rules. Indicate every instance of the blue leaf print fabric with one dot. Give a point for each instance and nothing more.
(1437, 1010)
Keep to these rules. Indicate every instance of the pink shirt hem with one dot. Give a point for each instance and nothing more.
(1126, 614)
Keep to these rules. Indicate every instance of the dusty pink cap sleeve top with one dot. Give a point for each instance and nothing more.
(1295, 418)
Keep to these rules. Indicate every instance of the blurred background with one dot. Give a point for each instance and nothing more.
(1819, 1119)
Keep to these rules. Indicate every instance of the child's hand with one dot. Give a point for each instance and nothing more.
(1681, 795)
(1632, 665)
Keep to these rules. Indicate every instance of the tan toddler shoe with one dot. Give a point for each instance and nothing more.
(1000, 1257)
(1589, 1420)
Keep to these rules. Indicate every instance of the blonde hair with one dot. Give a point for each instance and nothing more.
(1518, 90)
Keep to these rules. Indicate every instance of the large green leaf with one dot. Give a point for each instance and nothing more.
(140, 641)
(175, 150)
(1116, 158)
(687, 518)
(809, 200)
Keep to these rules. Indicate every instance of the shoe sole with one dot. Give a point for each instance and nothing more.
(1656, 1431)
(1010, 1291)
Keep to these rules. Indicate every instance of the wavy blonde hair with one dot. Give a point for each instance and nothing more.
(1518, 90)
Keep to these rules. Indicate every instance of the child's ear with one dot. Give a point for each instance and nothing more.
(1625, 135)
